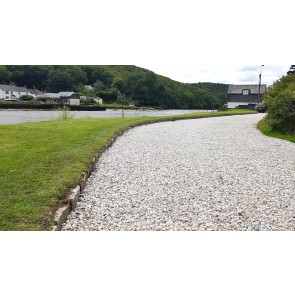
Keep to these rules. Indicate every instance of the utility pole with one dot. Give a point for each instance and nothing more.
(259, 86)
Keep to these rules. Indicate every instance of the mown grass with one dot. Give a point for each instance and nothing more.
(41, 161)
(278, 128)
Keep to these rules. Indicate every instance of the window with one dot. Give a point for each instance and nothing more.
(6, 92)
(246, 91)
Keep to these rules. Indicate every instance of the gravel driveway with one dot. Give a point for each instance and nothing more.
(206, 174)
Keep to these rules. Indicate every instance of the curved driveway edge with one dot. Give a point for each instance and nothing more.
(212, 174)
(66, 205)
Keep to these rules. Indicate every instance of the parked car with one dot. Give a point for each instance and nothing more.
(260, 108)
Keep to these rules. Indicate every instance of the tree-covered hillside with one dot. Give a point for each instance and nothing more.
(142, 86)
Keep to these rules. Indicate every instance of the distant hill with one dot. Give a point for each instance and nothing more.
(142, 86)
(218, 89)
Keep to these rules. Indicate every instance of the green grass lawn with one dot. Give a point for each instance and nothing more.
(41, 161)
(278, 128)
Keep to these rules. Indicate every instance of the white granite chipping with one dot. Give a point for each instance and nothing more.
(206, 174)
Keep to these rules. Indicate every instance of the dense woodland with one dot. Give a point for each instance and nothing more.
(139, 85)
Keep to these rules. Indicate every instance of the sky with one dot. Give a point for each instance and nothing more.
(230, 74)
(185, 41)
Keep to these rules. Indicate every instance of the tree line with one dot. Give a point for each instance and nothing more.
(142, 86)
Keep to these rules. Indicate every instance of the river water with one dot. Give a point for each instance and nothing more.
(24, 116)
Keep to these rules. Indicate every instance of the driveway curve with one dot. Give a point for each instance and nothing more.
(206, 174)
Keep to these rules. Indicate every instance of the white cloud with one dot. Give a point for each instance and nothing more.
(186, 41)
(228, 74)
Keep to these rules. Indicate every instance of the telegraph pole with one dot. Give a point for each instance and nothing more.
(259, 86)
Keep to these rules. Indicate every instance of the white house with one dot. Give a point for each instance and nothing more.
(71, 98)
(66, 98)
(244, 95)
(15, 92)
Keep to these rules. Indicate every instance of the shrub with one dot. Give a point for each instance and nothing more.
(280, 99)
(65, 113)
(282, 106)
(26, 97)
(223, 108)
(88, 101)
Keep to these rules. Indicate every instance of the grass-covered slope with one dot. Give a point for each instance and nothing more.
(283, 129)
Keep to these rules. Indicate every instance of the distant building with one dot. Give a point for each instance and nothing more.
(11, 92)
(244, 95)
(64, 98)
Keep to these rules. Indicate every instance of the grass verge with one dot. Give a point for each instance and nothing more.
(41, 161)
(277, 128)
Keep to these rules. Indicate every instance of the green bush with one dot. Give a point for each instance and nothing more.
(223, 108)
(280, 99)
(26, 97)
(282, 106)
(88, 101)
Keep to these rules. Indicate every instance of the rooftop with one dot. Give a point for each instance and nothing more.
(19, 89)
(237, 89)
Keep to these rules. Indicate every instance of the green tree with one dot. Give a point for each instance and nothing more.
(4, 75)
(17, 76)
(82, 90)
(35, 76)
(78, 76)
(118, 83)
(108, 95)
(279, 86)
(98, 86)
(142, 86)
(59, 80)
(101, 75)
(31, 76)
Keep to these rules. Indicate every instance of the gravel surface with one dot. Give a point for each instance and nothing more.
(206, 174)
